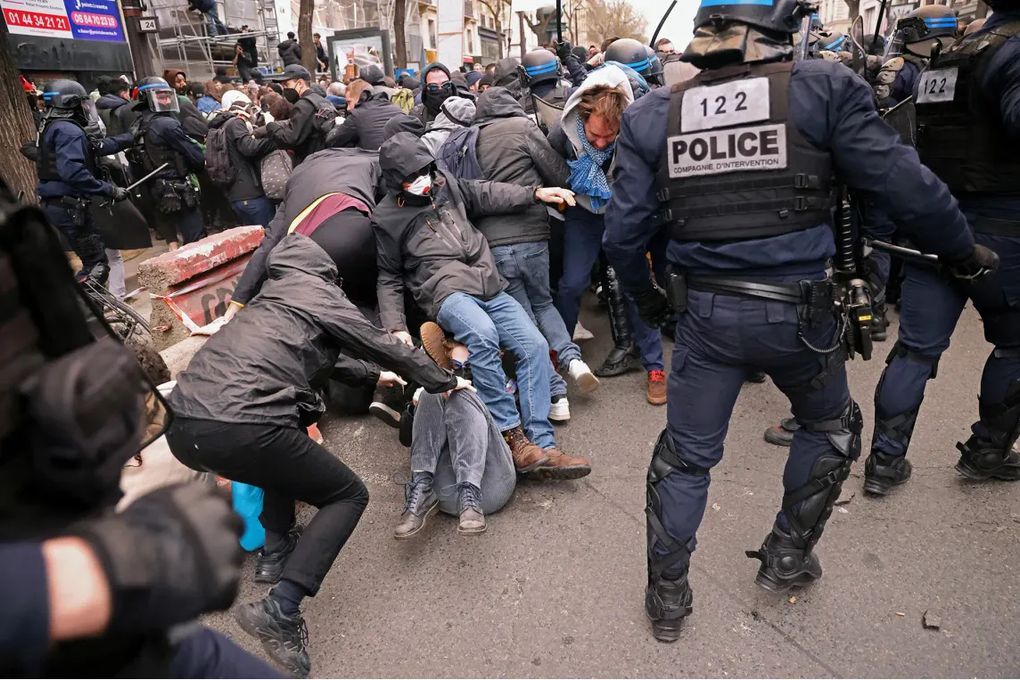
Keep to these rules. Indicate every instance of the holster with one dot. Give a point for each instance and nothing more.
(174, 195)
(77, 209)
(676, 290)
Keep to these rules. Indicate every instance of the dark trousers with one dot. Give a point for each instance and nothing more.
(930, 307)
(721, 339)
(259, 210)
(84, 240)
(288, 466)
(186, 222)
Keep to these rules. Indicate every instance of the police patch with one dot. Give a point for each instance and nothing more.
(743, 149)
(937, 86)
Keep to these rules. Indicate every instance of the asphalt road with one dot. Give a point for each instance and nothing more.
(555, 587)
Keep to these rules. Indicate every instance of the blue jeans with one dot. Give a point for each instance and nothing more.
(254, 211)
(214, 25)
(525, 266)
(487, 325)
(582, 242)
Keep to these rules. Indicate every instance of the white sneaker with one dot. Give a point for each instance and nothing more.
(581, 333)
(582, 376)
(559, 409)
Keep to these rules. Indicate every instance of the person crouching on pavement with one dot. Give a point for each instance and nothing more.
(426, 242)
(460, 463)
(242, 406)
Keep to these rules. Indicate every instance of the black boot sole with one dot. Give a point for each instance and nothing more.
(385, 414)
(667, 631)
(777, 436)
(630, 365)
(573, 472)
(881, 486)
(779, 587)
(1004, 473)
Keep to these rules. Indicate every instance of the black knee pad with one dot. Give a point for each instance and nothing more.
(665, 462)
(808, 507)
(898, 350)
(844, 433)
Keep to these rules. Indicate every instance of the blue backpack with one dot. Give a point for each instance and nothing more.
(458, 156)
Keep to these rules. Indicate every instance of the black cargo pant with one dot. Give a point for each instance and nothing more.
(288, 466)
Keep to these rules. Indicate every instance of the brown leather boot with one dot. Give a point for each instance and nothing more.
(656, 393)
(562, 466)
(527, 456)
(433, 339)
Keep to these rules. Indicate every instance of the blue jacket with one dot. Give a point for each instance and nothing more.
(168, 133)
(71, 146)
(833, 109)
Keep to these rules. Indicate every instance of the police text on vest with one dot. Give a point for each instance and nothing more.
(734, 150)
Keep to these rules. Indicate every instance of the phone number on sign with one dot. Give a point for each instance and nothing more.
(96, 20)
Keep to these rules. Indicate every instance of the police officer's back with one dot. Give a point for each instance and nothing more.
(739, 164)
(68, 171)
(161, 139)
(917, 33)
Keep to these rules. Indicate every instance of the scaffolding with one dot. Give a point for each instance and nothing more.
(184, 42)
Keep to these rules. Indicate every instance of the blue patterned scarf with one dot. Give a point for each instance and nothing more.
(586, 174)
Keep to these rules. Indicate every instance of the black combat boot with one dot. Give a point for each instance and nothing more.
(668, 602)
(782, 434)
(623, 358)
(785, 562)
(980, 459)
(882, 473)
(619, 361)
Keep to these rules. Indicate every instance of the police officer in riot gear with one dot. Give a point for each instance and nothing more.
(633, 54)
(968, 115)
(541, 73)
(67, 168)
(160, 139)
(915, 37)
(739, 163)
(656, 73)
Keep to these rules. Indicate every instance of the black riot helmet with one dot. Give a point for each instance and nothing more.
(830, 41)
(68, 99)
(656, 75)
(157, 95)
(540, 65)
(630, 52)
(782, 16)
(919, 30)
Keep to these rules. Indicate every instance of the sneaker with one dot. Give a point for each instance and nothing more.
(269, 565)
(385, 413)
(882, 473)
(469, 507)
(562, 466)
(757, 377)
(285, 638)
(388, 404)
(433, 340)
(582, 376)
(782, 434)
(581, 334)
(656, 392)
(559, 409)
(527, 456)
(620, 360)
(421, 502)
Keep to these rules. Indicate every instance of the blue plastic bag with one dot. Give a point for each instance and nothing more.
(247, 501)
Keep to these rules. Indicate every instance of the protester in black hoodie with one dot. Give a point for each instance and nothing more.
(290, 51)
(436, 88)
(240, 410)
(114, 94)
(368, 113)
(246, 153)
(299, 132)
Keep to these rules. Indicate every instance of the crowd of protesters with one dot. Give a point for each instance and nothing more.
(428, 243)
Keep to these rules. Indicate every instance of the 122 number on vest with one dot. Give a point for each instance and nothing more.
(937, 86)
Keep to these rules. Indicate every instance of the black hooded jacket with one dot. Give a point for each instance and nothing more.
(511, 148)
(364, 126)
(246, 154)
(349, 171)
(244, 374)
(433, 248)
(428, 110)
(299, 132)
(108, 107)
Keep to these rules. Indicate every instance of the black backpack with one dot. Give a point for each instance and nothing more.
(458, 154)
(217, 159)
(325, 114)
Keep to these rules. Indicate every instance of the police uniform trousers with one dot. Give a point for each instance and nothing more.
(84, 240)
(930, 307)
(720, 339)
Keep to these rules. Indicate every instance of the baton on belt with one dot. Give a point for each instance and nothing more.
(905, 253)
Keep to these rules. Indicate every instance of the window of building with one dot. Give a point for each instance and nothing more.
(430, 39)
(470, 42)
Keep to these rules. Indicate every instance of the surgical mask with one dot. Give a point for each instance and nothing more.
(421, 186)
(291, 95)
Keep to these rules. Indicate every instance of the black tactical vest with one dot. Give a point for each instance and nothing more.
(46, 159)
(148, 152)
(961, 135)
(736, 169)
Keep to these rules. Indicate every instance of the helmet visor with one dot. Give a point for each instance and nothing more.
(160, 99)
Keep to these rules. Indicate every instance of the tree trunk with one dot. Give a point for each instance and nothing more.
(17, 172)
(520, 17)
(304, 30)
(399, 37)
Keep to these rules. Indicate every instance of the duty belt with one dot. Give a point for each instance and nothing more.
(815, 299)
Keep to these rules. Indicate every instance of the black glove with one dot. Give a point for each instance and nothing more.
(563, 50)
(653, 307)
(120, 194)
(979, 264)
(171, 555)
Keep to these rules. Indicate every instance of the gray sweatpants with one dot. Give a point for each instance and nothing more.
(457, 441)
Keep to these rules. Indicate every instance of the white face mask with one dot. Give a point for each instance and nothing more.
(421, 186)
